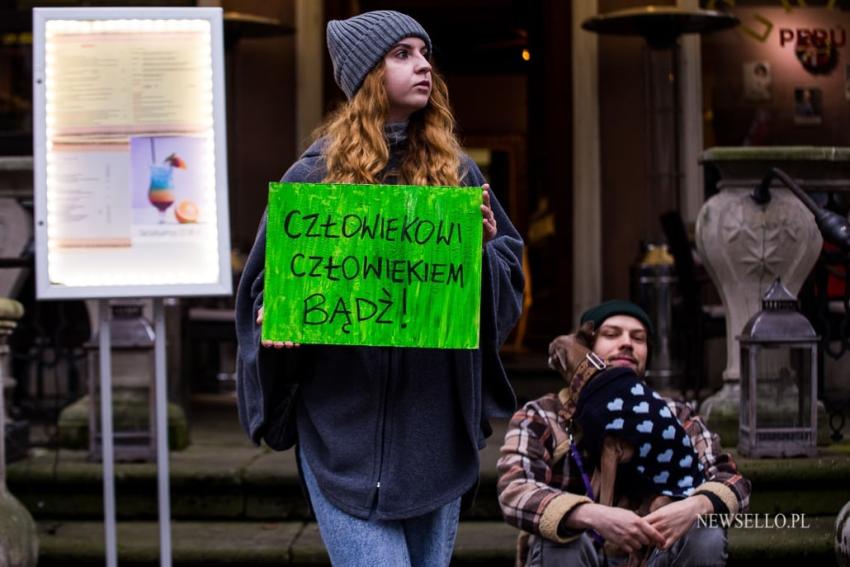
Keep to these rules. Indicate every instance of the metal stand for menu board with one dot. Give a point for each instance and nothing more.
(106, 433)
(123, 100)
(160, 429)
(162, 435)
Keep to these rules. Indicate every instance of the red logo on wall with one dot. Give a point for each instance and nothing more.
(816, 49)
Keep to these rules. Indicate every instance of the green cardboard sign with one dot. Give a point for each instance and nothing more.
(377, 265)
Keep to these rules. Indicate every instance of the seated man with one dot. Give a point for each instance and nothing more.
(542, 489)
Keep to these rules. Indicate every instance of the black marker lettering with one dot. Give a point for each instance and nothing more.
(286, 224)
(313, 218)
(321, 315)
(292, 266)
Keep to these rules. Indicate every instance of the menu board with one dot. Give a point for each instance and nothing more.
(130, 82)
(131, 193)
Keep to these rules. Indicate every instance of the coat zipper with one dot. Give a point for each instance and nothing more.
(383, 413)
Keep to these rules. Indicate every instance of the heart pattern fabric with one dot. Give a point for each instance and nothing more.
(616, 402)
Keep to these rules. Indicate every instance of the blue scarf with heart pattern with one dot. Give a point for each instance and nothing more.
(616, 402)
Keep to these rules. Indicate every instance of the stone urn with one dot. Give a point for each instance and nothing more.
(18, 540)
(746, 245)
(842, 537)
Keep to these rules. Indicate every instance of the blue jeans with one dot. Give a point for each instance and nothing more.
(701, 546)
(423, 541)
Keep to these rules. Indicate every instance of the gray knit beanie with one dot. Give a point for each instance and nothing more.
(359, 43)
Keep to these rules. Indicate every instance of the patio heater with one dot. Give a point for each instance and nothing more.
(653, 281)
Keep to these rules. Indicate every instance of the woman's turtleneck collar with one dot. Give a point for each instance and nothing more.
(396, 132)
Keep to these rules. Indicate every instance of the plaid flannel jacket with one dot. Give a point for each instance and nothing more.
(536, 487)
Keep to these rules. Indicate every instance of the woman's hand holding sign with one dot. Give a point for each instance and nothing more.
(489, 219)
(275, 344)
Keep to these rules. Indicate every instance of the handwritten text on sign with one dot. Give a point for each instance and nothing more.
(378, 265)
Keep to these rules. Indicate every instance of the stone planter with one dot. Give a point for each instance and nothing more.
(746, 245)
(842, 537)
(18, 540)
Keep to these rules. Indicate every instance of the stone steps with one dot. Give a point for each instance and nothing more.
(210, 482)
(236, 504)
(239, 543)
(298, 543)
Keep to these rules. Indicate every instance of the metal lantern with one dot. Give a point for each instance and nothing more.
(779, 358)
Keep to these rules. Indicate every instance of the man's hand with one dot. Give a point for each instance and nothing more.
(487, 216)
(675, 519)
(619, 526)
(274, 344)
(565, 353)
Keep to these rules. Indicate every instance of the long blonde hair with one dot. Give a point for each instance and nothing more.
(357, 151)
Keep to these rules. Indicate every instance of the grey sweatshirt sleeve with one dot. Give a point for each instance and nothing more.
(502, 275)
(266, 378)
(502, 283)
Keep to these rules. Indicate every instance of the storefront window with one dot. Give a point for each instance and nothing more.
(780, 78)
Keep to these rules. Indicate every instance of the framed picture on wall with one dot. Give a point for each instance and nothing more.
(808, 106)
(758, 81)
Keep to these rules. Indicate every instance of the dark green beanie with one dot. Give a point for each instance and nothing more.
(602, 311)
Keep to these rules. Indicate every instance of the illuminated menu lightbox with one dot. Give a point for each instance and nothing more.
(130, 160)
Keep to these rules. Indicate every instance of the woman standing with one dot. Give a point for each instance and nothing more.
(388, 438)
